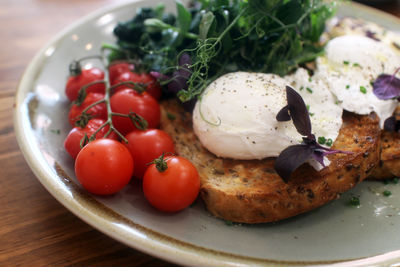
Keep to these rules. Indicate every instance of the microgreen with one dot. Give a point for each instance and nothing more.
(294, 156)
(387, 86)
(223, 36)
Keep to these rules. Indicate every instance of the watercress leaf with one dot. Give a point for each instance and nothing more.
(290, 159)
(205, 25)
(386, 87)
(283, 114)
(298, 112)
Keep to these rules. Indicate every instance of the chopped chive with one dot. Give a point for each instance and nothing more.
(371, 83)
(301, 88)
(171, 116)
(308, 107)
(311, 114)
(55, 131)
(395, 180)
(229, 223)
(354, 201)
(329, 142)
(309, 90)
(337, 102)
(345, 62)
(387, 193)
(309, 79)
(321, 140)
(356, 65)
(347, 86)
(363, 89)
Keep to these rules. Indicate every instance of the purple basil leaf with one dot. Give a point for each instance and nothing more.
(387, 87)
(372, 35)
(283, 114)
(298, 112)
(390, 124)
(159, 76)
(290, 159)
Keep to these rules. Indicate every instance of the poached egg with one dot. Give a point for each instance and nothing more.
(236, 115)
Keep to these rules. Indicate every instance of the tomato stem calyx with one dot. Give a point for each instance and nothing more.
(161, 163)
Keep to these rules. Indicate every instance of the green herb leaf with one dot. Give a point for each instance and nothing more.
(184, 19)
(205, 25)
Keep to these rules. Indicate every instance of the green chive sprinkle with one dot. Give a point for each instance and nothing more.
(356, 65)
(347, 86)
(396, 180)
(329, 142)
(309, 79)
(321, 140)
(171, 116)
(387, 193)
(309, 90)
(301, 88)
(354, 201)
(229, 223)
(363, 89)
(308, 107)
(311, 114)
(346, 62)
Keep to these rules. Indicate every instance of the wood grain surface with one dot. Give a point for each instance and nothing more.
(36, 230)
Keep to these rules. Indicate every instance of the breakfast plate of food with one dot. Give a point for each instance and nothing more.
(224, 132)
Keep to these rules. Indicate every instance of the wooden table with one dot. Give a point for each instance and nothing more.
(36, 230)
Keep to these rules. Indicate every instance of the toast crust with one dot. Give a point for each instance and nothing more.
(250, 191)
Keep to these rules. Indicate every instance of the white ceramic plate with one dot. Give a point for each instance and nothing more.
(333, 234)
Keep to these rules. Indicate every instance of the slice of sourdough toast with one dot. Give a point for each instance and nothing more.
(389, 164)
(251, 191)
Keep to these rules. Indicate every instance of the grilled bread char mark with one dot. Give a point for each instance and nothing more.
(251, 191)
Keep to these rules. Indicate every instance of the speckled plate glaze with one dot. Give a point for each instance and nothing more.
(334, 234)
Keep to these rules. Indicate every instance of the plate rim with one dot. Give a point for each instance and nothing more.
(153, 243)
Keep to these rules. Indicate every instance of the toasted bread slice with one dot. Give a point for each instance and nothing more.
(251, 191)
(389, 164)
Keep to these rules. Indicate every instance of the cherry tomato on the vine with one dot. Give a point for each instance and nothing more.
(143, 104)
(75, 83)
(145, 146)
(98, 111)
(72, 143)
(104, 166)
(117, 68)
(150, 83)
(174, 188)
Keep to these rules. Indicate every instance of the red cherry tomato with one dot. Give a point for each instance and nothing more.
(173, 189)
(151, 84)
(104, 166)
(73, 140)
(75, 83)
(143, 104)
(145, 146)
(117, 68)
(98, 111)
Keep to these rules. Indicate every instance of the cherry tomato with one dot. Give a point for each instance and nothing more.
(173, 189)
(143, 104)
(117, 68)
(75, 83)
(73, 140)
(98, 111)
(151, 84)
(104, 166)
(145, 146)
